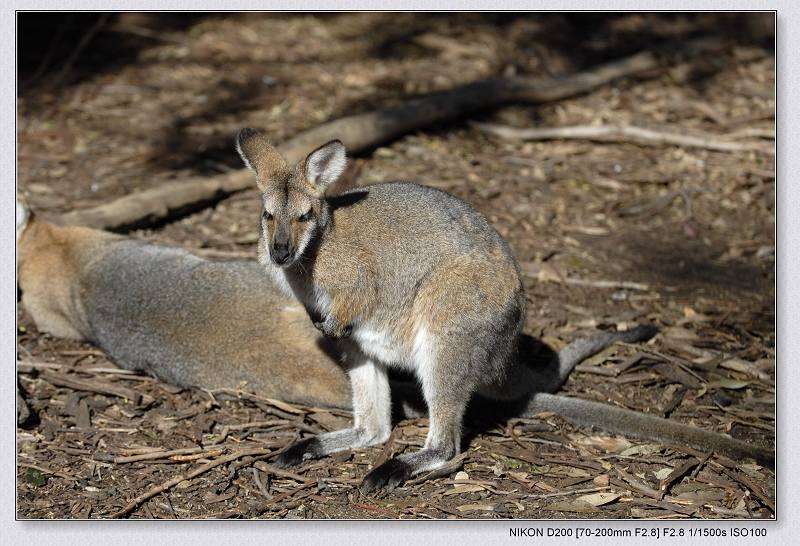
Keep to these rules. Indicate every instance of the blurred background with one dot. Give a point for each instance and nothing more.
(607, 233)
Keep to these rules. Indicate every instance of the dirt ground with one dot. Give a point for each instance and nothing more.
(684, 237)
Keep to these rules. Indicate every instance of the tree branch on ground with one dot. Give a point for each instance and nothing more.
(359, 132)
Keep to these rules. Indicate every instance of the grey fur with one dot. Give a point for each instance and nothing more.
(644, 426)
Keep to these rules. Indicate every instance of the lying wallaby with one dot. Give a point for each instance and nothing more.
(415, 279)
(164, 311)
(197, 323)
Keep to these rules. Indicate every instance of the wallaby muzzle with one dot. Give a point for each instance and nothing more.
(282, 251)
(282, 254)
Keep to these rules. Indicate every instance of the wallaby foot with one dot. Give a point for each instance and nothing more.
(372, 418)
(396, 471)
(329, 443)
(298, 452)
(387, 476)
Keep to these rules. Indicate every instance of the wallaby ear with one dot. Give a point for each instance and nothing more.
(259, 154)
(326, 164)
(23, 214)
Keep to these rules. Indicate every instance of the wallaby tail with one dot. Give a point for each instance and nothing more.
(581, 349)
(646, 427)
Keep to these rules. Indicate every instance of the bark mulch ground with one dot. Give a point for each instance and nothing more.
(607, 234)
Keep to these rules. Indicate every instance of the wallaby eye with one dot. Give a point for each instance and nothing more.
(305, 217)
(266, 216)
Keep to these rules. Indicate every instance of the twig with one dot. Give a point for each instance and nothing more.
(283, 406)
(677, 474)
(623, 134)
(227, 429)
(259, 483)
(278, 498)
(678, 509)
(565, 493)
(60, 380)
(195, 456)
(167, 454)
(153, 491)
(513, 435)
(281, 473)
(386, 452)
(639, 486)
(620, 285)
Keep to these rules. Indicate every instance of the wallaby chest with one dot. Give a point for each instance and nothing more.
(373, 338)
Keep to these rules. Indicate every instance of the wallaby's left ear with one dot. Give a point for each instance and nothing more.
(326, 164)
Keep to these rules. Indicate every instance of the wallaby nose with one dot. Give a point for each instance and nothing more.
(281, 254)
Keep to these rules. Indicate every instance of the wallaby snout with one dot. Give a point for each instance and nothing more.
(282, 253)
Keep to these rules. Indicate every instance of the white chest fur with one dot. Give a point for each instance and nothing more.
(379, 345)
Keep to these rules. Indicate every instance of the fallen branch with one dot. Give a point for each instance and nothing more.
(153, 491)
(359, 132)
(624, 134)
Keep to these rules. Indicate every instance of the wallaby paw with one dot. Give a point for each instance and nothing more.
(297, 453)
(332, 328)
(387, 476)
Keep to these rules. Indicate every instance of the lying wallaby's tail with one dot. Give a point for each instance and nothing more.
(581, 349)
(646, 427)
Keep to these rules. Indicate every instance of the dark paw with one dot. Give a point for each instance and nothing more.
(297, 453)
(332, 329)
(387, 476)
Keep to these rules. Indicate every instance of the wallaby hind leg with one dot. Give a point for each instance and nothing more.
(447, 386)
(372, 423)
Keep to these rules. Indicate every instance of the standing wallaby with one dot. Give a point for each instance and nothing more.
(414, 277)
(214, 325)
